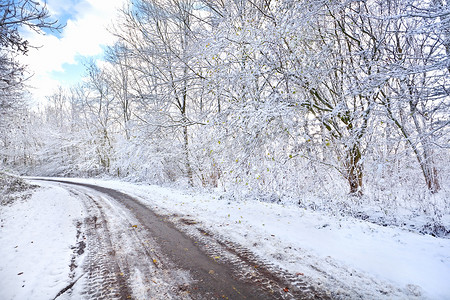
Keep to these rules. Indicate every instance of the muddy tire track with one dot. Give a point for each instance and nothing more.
(279, 283)
(103, 276)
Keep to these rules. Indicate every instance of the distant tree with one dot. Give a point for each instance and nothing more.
(159, 36)
(120, 80)
(98, 109)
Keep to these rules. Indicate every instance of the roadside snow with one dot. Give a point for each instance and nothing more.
(365, 258)
(36, 236)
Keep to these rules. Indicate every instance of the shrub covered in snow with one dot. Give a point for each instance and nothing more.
(13, 188)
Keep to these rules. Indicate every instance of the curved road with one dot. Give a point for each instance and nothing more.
(132, 253)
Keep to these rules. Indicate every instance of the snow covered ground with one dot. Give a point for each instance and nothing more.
(37, 236)
(357, 257)
(301, 241)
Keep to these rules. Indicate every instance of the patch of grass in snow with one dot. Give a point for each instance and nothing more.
(13, 188)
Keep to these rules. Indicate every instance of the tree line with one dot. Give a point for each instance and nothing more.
(272, 96)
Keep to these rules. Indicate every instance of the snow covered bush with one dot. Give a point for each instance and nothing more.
(13, 188)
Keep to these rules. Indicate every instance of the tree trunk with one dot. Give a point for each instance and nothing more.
(354, 172)
(425, 158)
(429, 171)
(187, 162)
(431, 179)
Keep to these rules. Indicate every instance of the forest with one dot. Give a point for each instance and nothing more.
(342, 106)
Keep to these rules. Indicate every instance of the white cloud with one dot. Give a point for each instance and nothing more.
(85, 32)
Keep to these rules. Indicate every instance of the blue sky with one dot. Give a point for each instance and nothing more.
(61, 11)
(59, 59)
(71, 73)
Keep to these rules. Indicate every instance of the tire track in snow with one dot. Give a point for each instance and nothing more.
(103, 278)
(278, 283)
(121, 264)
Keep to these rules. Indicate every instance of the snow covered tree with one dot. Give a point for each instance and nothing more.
(158, 36)
(301, 71)
(413, 76)
(119, 77)
(98, 109)
(16, 14)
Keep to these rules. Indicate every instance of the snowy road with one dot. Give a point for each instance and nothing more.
(131, 252)
(100, 239)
